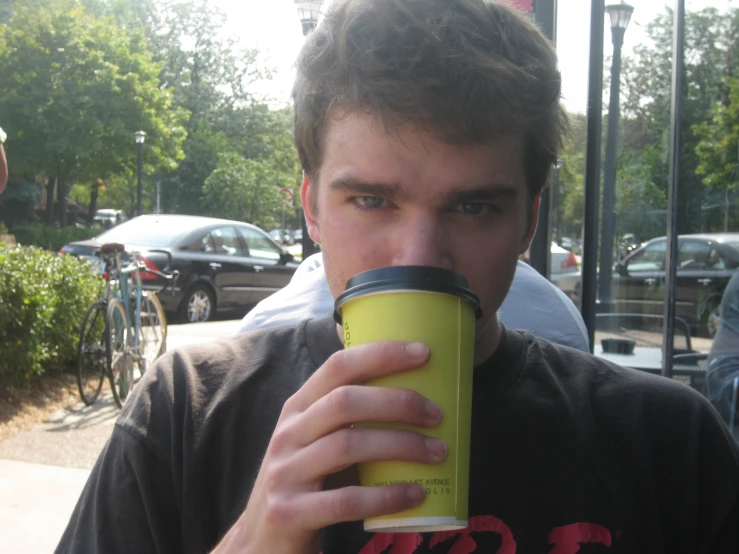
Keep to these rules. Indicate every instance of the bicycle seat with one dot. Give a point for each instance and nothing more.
(112, 248)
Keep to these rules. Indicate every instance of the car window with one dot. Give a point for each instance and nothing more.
(693, 255)
(259, 245)
(225, 241)
(201, 244)
(651, 258)
(717, 260)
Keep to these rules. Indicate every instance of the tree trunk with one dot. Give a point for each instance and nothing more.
(62, 197)
(93, 206)
(50, 185)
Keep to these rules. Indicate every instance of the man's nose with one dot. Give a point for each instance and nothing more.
(422, 240)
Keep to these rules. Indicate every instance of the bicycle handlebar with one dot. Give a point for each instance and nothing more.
(136, 264)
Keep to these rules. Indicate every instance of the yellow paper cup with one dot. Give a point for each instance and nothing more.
(436, 307)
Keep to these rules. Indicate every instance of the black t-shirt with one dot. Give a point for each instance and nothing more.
(569, 454)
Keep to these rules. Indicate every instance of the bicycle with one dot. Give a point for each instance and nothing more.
(117, 336)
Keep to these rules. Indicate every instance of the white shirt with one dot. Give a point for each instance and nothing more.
(533, 303)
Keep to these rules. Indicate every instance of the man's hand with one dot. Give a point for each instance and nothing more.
(314, 439)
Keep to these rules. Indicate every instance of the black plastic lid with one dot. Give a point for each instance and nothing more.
(407, 277)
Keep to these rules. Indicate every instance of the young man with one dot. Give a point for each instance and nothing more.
(549, 313)
(426, 129)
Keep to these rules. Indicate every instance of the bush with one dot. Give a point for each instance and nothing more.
(43, 299)
(52, 238)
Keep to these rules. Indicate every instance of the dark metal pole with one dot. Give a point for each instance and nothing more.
(673, 182)
(139, 185)
(592, 168)
(609, 178)
(545, 16)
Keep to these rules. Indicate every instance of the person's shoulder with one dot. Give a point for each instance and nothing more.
(191, 382)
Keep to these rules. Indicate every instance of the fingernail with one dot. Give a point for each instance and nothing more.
(417, 350)
(416, 494)
(437, 448)
(433, 412)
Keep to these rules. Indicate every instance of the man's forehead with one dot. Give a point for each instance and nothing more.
(347, 126)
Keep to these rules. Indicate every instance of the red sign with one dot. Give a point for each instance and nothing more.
(288, 196)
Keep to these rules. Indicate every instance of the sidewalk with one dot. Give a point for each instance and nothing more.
(43, 470)
(35, 504)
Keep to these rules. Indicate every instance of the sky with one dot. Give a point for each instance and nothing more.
(273, 27)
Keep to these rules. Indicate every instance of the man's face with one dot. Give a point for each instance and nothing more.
(407, 198)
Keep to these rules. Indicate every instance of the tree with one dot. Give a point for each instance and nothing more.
(718, 151)
(572, 177)
(211, 77)
(75, 88)
(718, 148)
(711, 52)
(247, 190)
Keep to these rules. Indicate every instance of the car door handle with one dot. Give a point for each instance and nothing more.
(705, 281)
(215, 265)
(651, 281)
(258, 268)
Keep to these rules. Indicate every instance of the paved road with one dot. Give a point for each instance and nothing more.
(43, 470)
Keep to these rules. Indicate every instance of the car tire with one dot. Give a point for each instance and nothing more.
(198, 305)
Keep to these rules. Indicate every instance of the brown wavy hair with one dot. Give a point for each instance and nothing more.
(469, 71)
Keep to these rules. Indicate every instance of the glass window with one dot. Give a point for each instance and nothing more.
(717, 261)
(652, 258)
(226, 241)
(259, 245)
(693, 255)
(201, 244)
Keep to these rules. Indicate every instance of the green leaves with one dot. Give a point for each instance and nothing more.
(246, 190)
(43, 298)
(718, 147)
(708, 142)
(73, 90)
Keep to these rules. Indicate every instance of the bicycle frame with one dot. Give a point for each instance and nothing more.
(121, 279)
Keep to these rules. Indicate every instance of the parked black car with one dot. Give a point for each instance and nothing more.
(705, 263)
(224, 265)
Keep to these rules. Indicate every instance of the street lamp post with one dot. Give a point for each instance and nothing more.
(620, 14)
(140, 138)
(308, 11)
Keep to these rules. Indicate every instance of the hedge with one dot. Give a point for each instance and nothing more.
(52, 238)
(43, 299)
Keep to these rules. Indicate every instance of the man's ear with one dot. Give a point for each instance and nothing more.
(534, 214)
(306, 197)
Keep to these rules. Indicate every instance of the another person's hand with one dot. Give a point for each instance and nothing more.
(314, 439)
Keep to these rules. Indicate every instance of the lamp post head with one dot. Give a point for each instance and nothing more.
(308, 11)
(620, 15)
(140, 137)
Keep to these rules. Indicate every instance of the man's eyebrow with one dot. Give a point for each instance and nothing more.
(347, 184)
(497, 191)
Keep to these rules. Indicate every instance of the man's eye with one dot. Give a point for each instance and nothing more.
(475, 208)
(370, 202)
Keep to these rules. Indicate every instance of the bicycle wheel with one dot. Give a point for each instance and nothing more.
(120, 370)
(152, 331)
(92, 354)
